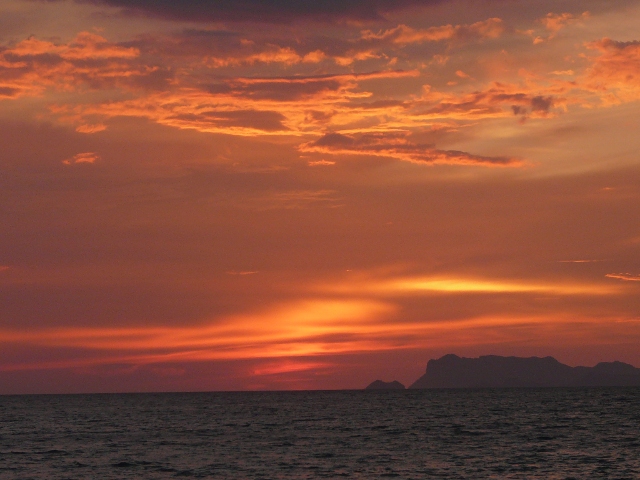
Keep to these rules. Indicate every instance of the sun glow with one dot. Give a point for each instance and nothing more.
(300, 329)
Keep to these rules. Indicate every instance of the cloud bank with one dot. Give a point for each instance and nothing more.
(272, 11)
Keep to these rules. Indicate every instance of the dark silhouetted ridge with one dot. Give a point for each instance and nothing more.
(380, 385)
(492, 371)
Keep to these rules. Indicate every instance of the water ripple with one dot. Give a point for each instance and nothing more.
(510, 433)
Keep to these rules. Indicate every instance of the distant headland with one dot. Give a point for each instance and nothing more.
(493, 371)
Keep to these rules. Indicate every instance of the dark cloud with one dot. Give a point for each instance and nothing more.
(541, 104)
(334, 140)
(271, 11)
(522, 100)
(538, 104)
(381, 104)
(40, 58)
(8, 91)
(275, 89)
(608, 43)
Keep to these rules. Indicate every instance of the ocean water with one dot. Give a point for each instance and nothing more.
(511, 433)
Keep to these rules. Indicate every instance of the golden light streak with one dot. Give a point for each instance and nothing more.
(288, 366)
(580, 261)
(141, 346)
(308, 327)
(357, 321)
(417, 285)
(283, 325)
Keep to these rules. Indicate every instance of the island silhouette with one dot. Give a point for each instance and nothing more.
(493, 371)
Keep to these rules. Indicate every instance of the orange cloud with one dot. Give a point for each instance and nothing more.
(315, 163)
(627, 277)
(398, 146)
(85, 46)
(368, 46)
(342, 78)
(554, 22)
(271, 54)
(615, 73)
(86, 157)
(91, 128)
(403, 35)
(613, 76)
(249, 106)
(190, 97)
(89, 60)
(354, 55)
(530, 98)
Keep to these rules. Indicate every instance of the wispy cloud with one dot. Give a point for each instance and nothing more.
(580, 261)
(402, 34)
(288, 366)
(91, 128)
(554, 22)
(320, 163)
(398, 146)
(452, 285)
(627, 277)
(301, 328)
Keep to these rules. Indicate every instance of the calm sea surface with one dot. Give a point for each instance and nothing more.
(513, 433)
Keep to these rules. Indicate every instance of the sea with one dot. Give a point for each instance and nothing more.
(553, 433)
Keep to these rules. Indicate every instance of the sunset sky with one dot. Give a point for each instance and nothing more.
(298, 194)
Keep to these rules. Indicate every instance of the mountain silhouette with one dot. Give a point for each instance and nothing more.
(380, 385)
(492, 371)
